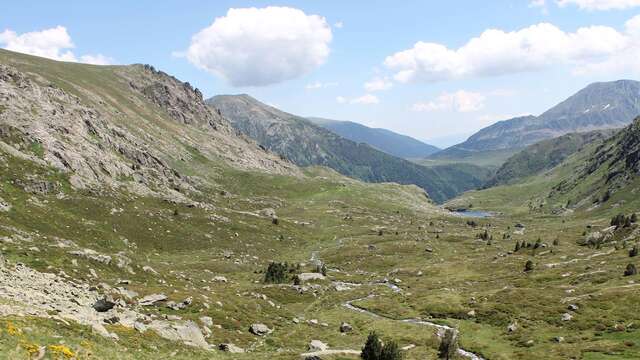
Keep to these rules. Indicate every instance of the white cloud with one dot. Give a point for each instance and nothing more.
(600, 4)
(378, 84)
(338, 25)
(541, 4)
(459, 101)
(54, 43)
(496, 52)
(366, 99)
(97, 59)
(320, 85)
(257, 47)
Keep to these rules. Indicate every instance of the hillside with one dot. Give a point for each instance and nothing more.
(544, 155)
(382, 139)
(601, 173)
(304, 143)
(604, 105)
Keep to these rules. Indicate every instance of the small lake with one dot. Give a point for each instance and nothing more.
(473, 213)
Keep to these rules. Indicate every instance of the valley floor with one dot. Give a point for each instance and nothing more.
(395, 264)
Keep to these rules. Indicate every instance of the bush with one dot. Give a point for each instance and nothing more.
(634, 218)
(630, 270)
(634, 251)
(277, 273)
(528, 266)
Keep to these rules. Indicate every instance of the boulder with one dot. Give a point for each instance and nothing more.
(345, 327)
(188, 332)
(512, 327)
(304, 277)
(317, 345)
(566, 317)
(103, 305)
(152, 299)
(259, 329)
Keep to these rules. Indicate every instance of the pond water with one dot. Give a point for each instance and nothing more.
(473, 213)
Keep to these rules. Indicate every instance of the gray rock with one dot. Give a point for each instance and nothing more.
(152, 299)
(573, 307)
(103, 305)
(345, 327)
(512, 327)
(259, 329)
(317, 345)
(304, 277)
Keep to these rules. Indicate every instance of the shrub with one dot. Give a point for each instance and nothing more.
(634, 251)
(277, 273)
(528, 266)
(630, 270)
(634, 218)
(517, 246)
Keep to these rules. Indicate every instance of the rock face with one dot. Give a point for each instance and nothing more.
(78, 129)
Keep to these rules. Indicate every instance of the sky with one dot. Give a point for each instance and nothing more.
(437, 71)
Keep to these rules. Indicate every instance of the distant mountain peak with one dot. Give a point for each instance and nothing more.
(600, 105)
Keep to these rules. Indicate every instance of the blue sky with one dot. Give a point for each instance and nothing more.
(437, 93)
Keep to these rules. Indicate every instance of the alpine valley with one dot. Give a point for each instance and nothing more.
(140, 221)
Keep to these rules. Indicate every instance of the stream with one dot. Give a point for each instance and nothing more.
(441, 328)
(350, 306)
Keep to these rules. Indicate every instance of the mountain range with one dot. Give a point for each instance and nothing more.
(602, 105)
(304, 143)
(402, 146)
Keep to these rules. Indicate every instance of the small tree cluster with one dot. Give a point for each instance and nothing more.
(374, 349)
(278, 273)
(621, 220)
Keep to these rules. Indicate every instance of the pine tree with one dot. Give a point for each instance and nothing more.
(634, 218)
(372, 348)
(634, 251)
(517, 246)
(390, 351)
